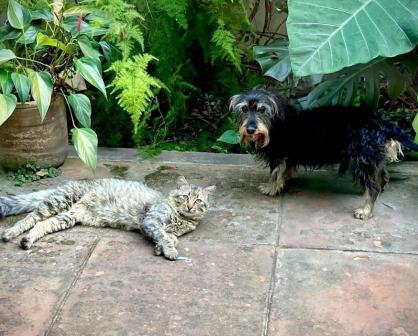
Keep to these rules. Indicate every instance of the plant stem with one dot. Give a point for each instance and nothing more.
(30, 60)
(69, 108)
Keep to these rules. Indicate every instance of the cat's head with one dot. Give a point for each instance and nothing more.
(190, 201)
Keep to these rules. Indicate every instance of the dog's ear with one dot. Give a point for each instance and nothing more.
(233, 102)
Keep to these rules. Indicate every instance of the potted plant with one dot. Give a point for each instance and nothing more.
(44, 56)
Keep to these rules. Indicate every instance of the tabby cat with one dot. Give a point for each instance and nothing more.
(126, 205)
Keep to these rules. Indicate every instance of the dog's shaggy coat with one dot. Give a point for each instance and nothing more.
(285, 137)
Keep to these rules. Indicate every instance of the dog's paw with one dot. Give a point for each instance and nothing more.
(269, 189)
(361, 213)
(170, 252)
(26, 243)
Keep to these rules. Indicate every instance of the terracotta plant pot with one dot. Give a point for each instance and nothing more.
(24, 138)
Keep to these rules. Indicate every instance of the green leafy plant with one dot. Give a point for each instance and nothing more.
(30, 173)
(135, 88)
(348, 48)
(43, 52)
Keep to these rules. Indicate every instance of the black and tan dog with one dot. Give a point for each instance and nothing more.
(285, 138)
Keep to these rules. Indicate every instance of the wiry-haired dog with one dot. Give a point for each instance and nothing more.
(285, 138)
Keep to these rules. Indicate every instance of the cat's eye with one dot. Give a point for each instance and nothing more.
(183, 198)
(198, 201)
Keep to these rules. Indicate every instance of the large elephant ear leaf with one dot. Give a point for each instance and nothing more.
(274, 59)
(85, 143)
(7, 106)
(18, 16)
(6, 83)
(91, 73)
(41, 89)
(344, 86)
(22, 85)
(327, 35)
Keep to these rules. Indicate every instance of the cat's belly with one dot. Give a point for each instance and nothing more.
(118, 203)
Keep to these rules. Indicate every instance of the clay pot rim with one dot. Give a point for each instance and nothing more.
(32, 104)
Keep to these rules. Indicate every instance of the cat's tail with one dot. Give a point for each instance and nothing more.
(14, 205)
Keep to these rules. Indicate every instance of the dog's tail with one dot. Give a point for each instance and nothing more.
(393, 131)
(396, 137)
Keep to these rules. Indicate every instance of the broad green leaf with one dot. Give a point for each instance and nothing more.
(328, 35)
(42, 14)
(415, 127)
(274, 59)
(18, 16)
(44, 40)
(85, 143)
(22, 85)
(106, 49)
(79, 10)
(10, 34)
(6, 83)
(29, 35)
(343, 86)
(41, 89)
(82, 108)
(6, 55)
(7, 106)
(88, 47)
(230, 137)
(91, 73)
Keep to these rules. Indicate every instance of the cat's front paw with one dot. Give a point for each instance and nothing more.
(167, 249)
(170, 252)
(6, 235)
(26, 243)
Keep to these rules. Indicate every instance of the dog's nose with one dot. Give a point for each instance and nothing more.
(251, 129)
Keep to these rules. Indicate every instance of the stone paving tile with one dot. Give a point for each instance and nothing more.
(337, 293)
(34, 282)
(125, 290)
(318, 208)
(239, 212)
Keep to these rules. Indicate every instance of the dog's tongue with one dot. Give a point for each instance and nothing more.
(258, 139)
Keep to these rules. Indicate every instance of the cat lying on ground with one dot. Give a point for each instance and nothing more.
(126, 205)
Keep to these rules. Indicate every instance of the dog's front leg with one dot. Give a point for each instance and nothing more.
(279, 174)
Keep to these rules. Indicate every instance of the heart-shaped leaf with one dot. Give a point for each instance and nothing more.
(88, 47)
(44, 40)
(22, 85)
(28, 36)
(6, 55)
(85, 143)
(90, 72)
(82, 108)
(18, 16)
(230, 137)
(7, 106)
(6, 83)
(42, 14)
(41, 88)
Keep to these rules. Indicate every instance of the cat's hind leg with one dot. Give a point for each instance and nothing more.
(61, 221)
(56, 202)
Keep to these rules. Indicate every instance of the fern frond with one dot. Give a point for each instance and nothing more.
(135, 88)
(123, 30)
(175, 9)
(225, 46)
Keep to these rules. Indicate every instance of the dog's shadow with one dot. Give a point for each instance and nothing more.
(330, 183)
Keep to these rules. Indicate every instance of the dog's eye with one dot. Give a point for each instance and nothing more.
(261, 109)
(244, 109)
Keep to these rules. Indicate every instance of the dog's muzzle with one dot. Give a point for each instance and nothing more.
(256, 133)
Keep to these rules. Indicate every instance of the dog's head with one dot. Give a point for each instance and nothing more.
(255, 111)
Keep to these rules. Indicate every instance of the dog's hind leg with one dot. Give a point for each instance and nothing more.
(279, 175)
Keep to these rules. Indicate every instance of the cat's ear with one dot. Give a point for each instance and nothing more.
(181, 180)
(210, 190)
